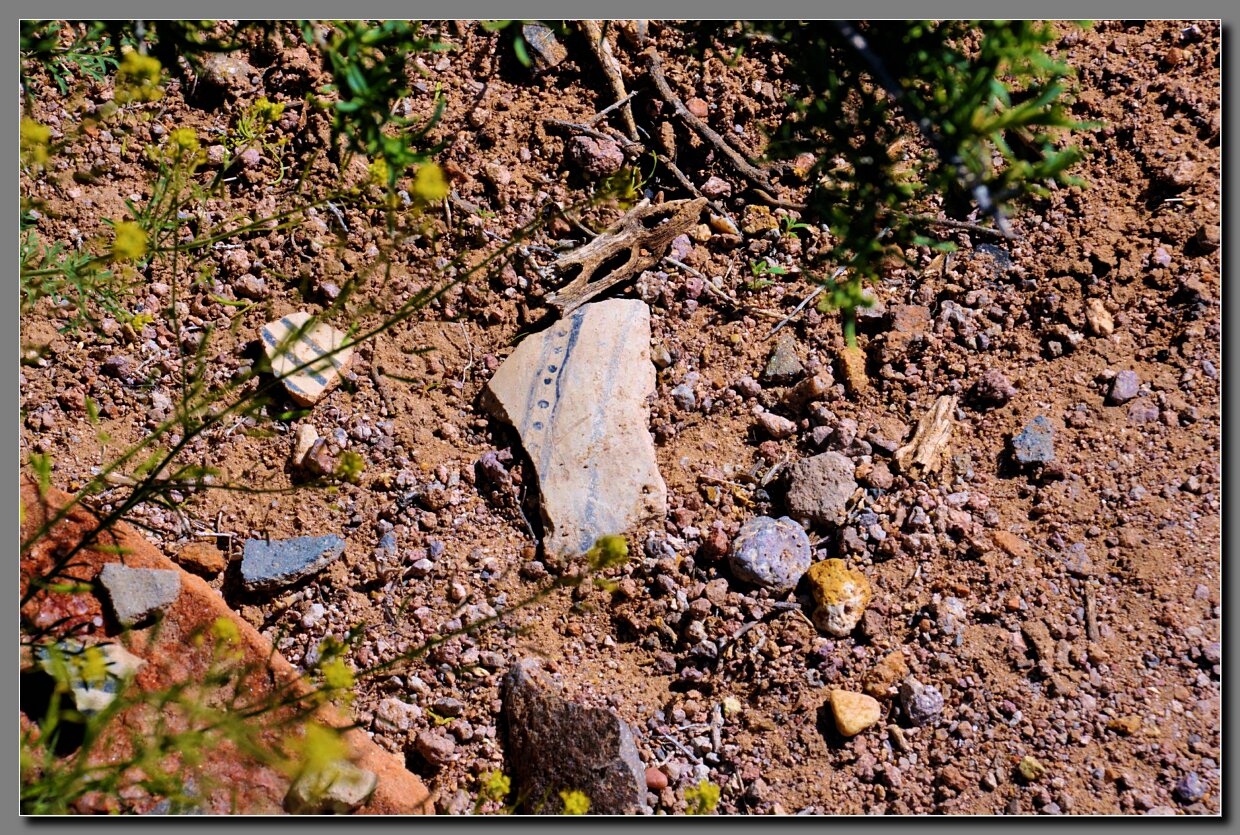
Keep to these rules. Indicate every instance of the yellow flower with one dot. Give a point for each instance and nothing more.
(608, 551)
(320, 748)
(575, 802)
(225, 630)
(94, 666)
(703, 799)
(128, 241)
(137, 78)
(337, 675)
(429, 184)
(184, 140)
(379, 172)
(34, 142)
(267, 110)
(495, 786)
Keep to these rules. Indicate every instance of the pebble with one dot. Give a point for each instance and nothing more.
(684, 397)
(1142, 411)
(1124, 387)
(137, 594)
(854, 712)
(436, 748)
(1189, 789)
(595, 157)
(922, 703)
(820, 488)
(267, 565)
(1098, 318)
(841, 593)
(882, 680)
(773, 553)
(339, 788)
(1036, 442)
(202, 558)
(717, 187)
(777, 427)
(993, 388)
(698, 107)
(656, 780)
(783, 366)
(1031, 768)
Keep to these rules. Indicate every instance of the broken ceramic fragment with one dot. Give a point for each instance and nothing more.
(576, 393)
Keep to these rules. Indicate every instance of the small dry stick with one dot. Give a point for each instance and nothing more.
(593, 120)
(754, 175)
(611, 68)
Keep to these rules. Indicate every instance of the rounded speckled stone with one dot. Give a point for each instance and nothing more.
(771, 552)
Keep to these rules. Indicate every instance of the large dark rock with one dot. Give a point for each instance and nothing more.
(554, 745)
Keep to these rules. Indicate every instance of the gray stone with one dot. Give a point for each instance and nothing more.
(577, 395)
(922, 702)
(271, 564)
(1036, 442)
(768, 552)
(554, 745)
(338, 789)
(435, 748)
(1124, 387)
(784, 366)
(137, 594)
(684, 397)
(819, 488)
(547, 51)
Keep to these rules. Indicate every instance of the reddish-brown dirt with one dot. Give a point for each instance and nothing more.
(1086, 632)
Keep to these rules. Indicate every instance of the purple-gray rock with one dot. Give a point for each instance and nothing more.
(267, 565)
(1076, 559)
(773, 553)
(993, 389)
(819, 488)
(1190, 788)
(1124, 387)
(1142, 411)
(137, 594)
(555, 745)
(596, 157)
(1036, 442)
(548, 52)
(922, 702)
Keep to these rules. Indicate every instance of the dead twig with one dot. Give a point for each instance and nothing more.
(755, 175)
(593, 120)
(601, 47)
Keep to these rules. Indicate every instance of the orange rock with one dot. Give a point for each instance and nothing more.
(174, 657)
(1011, 544)
(881, 681)
(202, 558)
(854, 712)
(842, 594)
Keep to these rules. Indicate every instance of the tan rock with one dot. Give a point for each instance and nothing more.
(852, 365)
(881, 682)
(854, 712)
(292, 342)
(842, 594)
(303, 441)
(1098, 318)
(577, 395)
(1011, 544)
